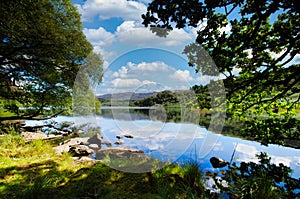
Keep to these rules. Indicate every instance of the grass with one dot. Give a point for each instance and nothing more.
(33, 170)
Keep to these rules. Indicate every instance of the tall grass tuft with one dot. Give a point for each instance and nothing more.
(175, 181)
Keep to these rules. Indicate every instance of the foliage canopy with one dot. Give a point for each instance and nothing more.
(42, 47)
(259, 39)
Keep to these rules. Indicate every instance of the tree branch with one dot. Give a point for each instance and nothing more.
(18, 117)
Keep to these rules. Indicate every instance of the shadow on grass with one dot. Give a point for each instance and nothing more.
(46, 180)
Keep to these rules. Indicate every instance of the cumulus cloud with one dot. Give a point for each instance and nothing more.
(106, 55)
(130, 83)
(247, 153)
(205, 79)
(106, 9)
(145, 66)
(132, 70)
(133, 33)
(279, 159)
(149, 82)
(182, 75)
(122, 72)
(98, 36)
(125, 83)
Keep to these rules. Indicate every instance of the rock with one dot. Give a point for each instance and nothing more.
(218, 162)
(119, 136)
(63, 133)
(128, 136)
(121, 152)
(76, 141)
(95, 140)
(118, 142)
(128, 160)
(84, 159)
(79, 146)
(62, 149)
(66, 130)
(29, 136)
(108, 144)
(78, 132)
(94, 146)
(81, 150)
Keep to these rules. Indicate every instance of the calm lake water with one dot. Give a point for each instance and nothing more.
(171, 138)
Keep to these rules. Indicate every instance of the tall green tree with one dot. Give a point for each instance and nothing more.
(262, 42)
(42, 47)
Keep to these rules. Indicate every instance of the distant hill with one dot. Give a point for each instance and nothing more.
(125, 96)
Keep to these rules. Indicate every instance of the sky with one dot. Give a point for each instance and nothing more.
(135, 59)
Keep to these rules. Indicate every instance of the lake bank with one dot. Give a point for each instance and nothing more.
(181, 142)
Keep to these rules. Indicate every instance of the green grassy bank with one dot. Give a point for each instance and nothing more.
(33, 170)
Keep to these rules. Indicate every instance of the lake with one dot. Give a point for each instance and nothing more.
(169, 137)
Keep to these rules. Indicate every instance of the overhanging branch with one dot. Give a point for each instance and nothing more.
(18, 117)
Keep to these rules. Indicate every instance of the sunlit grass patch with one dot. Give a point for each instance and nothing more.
(33, 170)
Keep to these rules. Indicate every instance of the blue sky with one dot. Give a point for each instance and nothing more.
(135, 59)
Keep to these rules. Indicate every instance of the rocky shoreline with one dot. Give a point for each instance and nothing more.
(75, 143)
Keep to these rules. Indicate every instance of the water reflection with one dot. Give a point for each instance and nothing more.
(172, 139)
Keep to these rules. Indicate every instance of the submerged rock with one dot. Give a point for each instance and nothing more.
(108, 144)
(118, 142)
(119, 136)
(120, 152)
(128, 136)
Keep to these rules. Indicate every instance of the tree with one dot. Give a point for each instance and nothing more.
(257, 180)
(42, 47)
(262, 44)
(88, 77)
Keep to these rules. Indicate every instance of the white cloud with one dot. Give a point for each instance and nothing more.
(182, 75)
(145, 82)
(105, 65)
(98, 36)
(125, 83)
(106, 9)
(248, 153)
(122, 72)
(106, 55)
(279, 159)
(133, 33)
(130, 83)
(145, 66)
(204, 79)
(247, 149)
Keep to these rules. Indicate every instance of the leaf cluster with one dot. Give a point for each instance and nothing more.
(254, 44)
(42, 47)
(258, 180)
